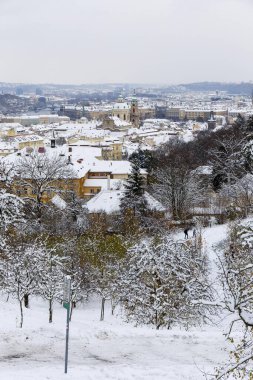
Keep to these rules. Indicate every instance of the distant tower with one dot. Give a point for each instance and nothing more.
(134, 112)
(120, 99)
(211, 122)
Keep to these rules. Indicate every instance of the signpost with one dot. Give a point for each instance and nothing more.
(66, 304)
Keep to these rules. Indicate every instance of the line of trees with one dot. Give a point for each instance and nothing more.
(156, 281)
(228, 152)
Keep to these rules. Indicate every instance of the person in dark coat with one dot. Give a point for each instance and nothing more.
(186, 233)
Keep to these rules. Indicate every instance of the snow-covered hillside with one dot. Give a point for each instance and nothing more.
(101, 350)
(111, 349)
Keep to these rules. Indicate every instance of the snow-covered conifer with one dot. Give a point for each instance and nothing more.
(133, 195)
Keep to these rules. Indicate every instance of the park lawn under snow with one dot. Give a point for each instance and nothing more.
(111, 349)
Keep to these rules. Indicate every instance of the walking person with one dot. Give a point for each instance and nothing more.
(186, 233)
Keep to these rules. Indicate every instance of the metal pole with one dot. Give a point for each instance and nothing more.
(67, 340)
(66, 305)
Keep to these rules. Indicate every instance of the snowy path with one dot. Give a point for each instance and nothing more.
(211, 236)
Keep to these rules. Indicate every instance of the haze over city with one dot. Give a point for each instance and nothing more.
(98, 41)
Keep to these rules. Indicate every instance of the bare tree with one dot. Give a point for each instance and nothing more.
(41, 174)
(236, 271)
(19, 273)
(6, 173)
(227, 159)
(179, 189)
(11, 210)
(51, 275)
(239, 194)
(164, 282)
(174, 181)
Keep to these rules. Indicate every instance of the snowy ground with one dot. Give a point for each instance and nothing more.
(104, 350)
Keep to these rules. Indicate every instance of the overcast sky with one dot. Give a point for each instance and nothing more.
(144, 41)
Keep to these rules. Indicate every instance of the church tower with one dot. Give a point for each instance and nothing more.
(134, 112)
(211, 122)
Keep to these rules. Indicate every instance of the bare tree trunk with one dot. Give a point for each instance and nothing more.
(156, 320)
(113, 306)
(102, 309)
(50, 311)
(21, 314)
(26, 300)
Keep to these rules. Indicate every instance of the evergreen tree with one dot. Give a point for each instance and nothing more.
(143, 158)
(134, 198)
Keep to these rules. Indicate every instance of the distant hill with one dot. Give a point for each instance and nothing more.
(13, 105)
(243, 88)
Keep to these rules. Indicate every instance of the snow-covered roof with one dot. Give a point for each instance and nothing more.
(108, 201)
(121, 106)
(28, 138)
(118, 122)
(114, 167)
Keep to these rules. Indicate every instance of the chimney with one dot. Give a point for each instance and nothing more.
(53, 143)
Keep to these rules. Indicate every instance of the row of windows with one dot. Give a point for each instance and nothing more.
(98, 174)
(28, 191)
(94, 191)
(124, 116)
